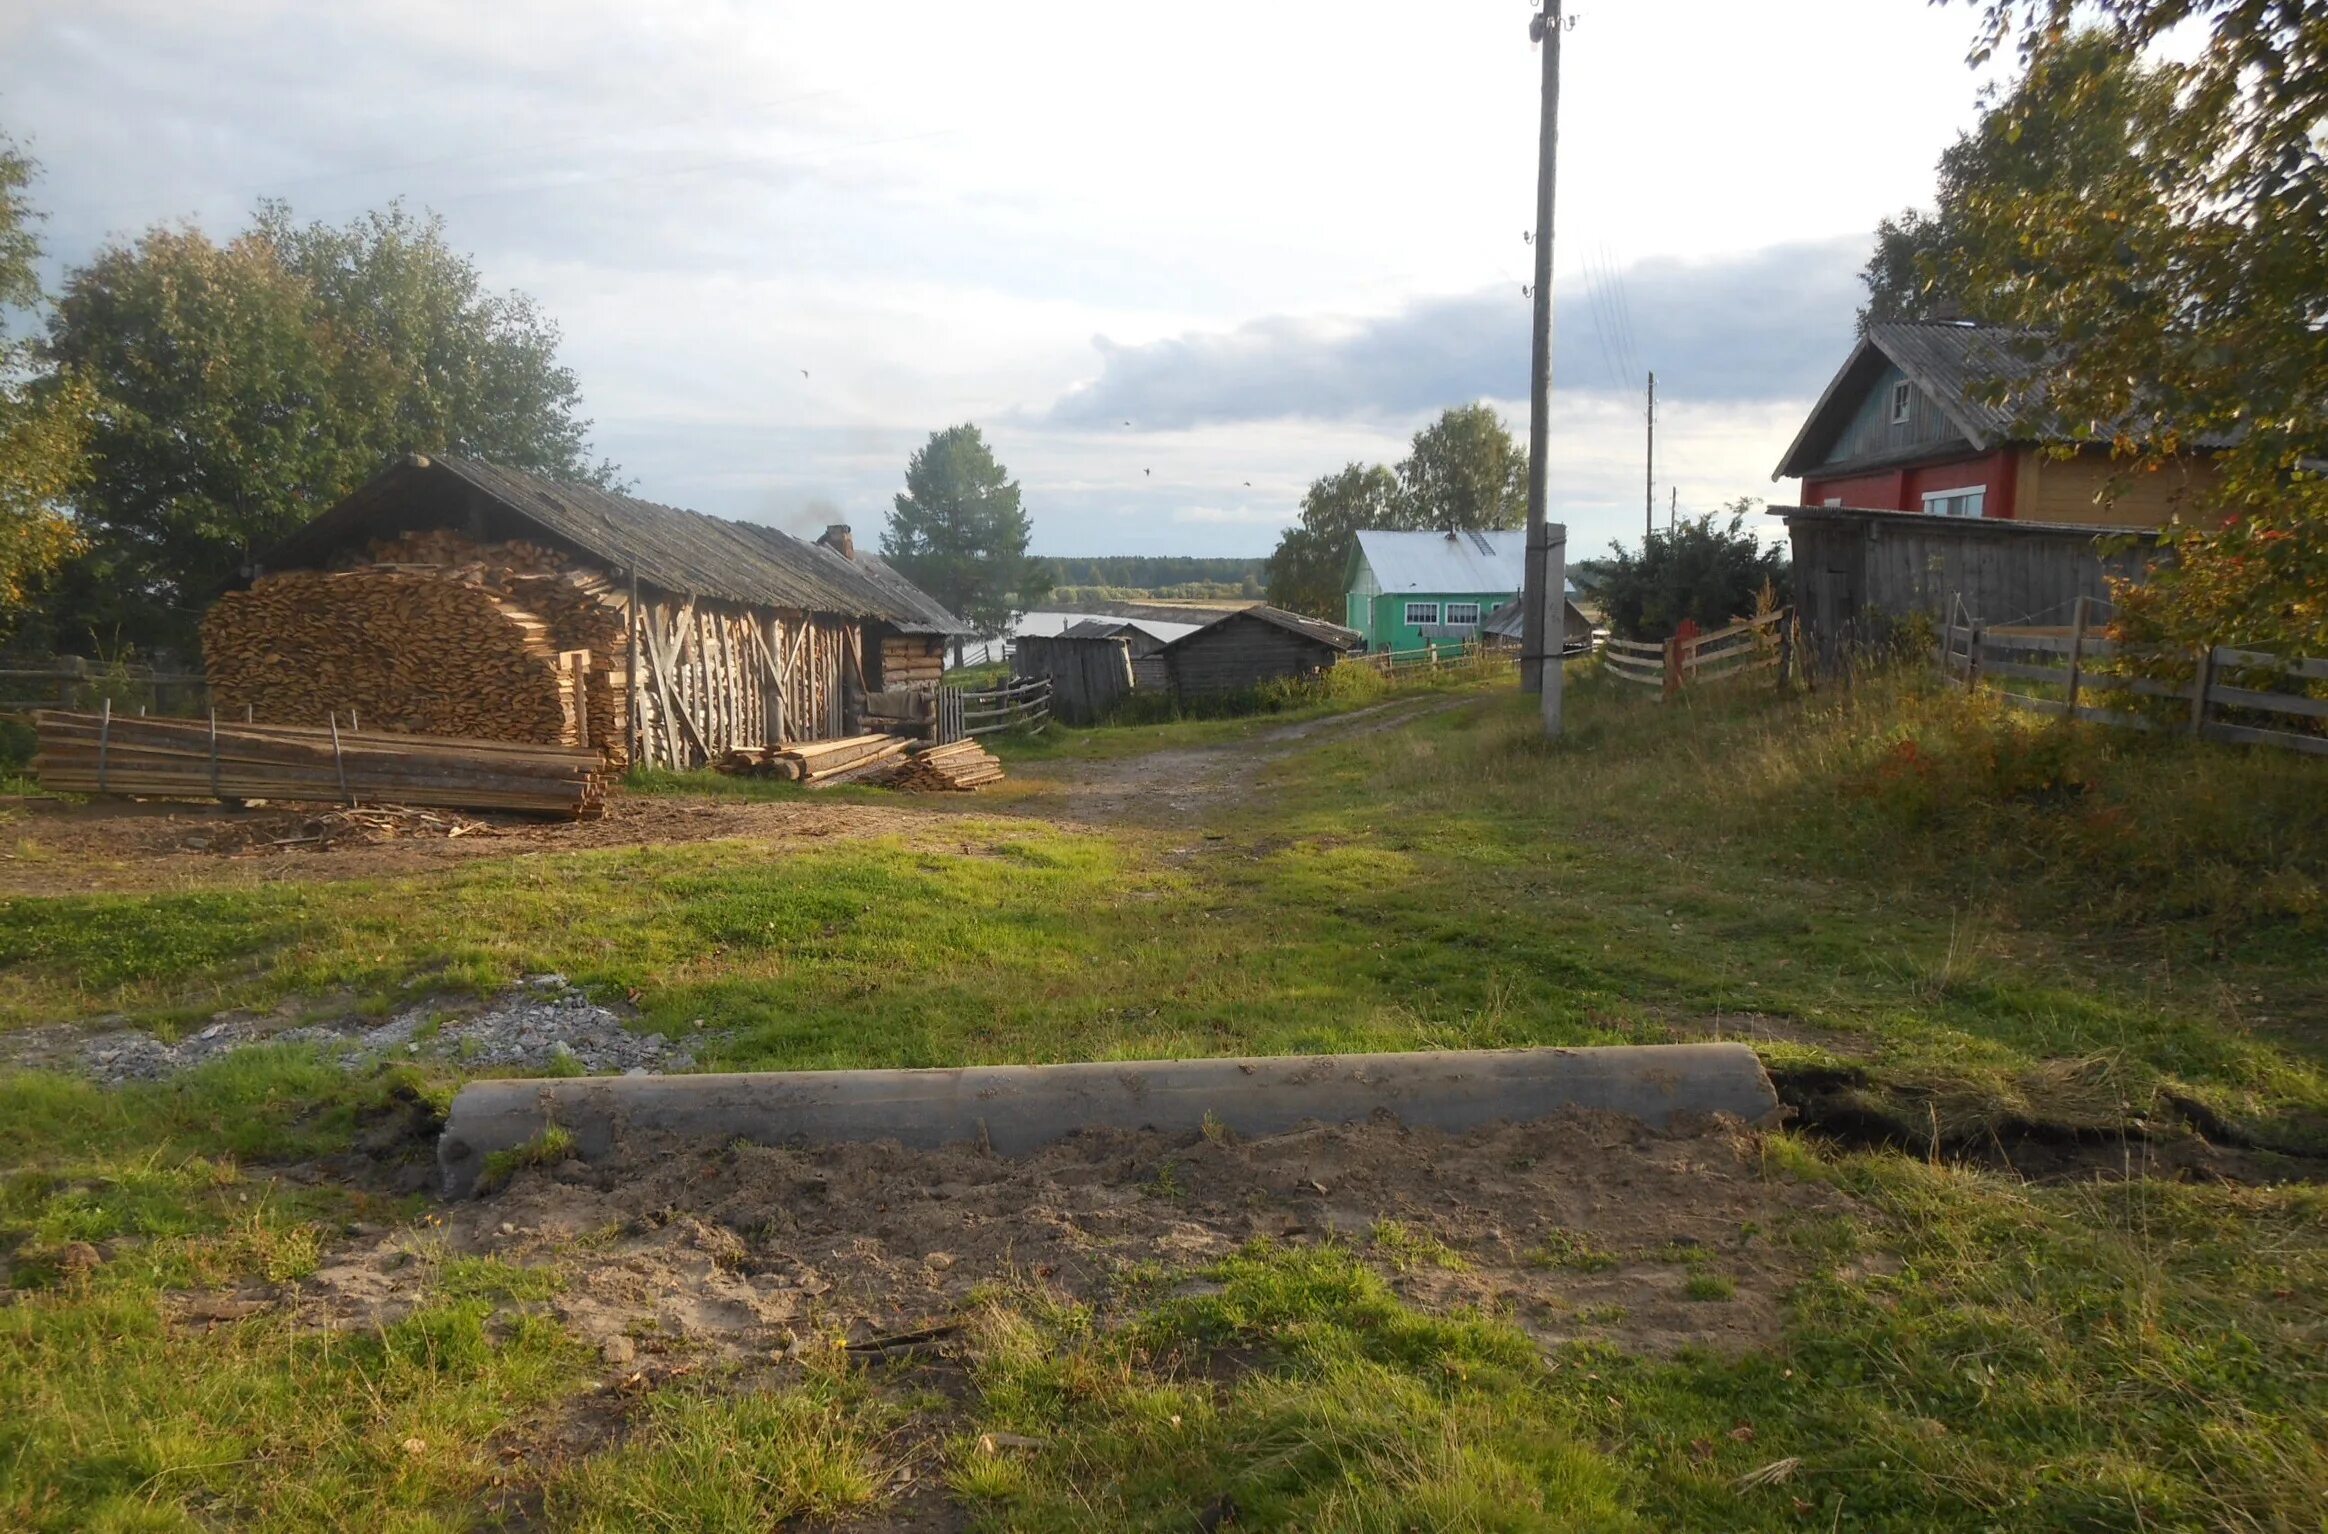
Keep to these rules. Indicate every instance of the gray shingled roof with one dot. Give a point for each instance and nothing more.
(1960, 367)
(667, 547)
(1319, 629)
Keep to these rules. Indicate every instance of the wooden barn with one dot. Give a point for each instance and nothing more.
(449, 596)
(1254, 645)
(1857, 571)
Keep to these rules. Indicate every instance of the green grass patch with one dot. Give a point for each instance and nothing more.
(1350, 1412)
(736, 1463)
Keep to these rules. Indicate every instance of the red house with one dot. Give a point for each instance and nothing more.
(1910, 424)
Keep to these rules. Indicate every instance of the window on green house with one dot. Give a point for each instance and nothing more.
(1462, 615)
(1425, 614)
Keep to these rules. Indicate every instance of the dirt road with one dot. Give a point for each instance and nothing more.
(1181, 787)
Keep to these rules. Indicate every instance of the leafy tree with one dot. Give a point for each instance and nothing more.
(2028, 147)
(1311, 562)
(1462, 472)
(242, 388)
(1695, 570)
(447, 362)
(43, 416)
(2184, 294)
(959, 534)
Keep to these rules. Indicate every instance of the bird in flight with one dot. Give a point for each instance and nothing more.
(804, 372)
(1248, 484)
(1127, 423)
(1147, 471)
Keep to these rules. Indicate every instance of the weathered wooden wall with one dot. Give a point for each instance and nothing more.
(712, 676)
(1848, 564)
(1088, 677)
(1240, 652)
(1871, 436)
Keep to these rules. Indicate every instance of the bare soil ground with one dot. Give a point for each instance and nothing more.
(1583, 1226)
(50, 847)
(53, 848)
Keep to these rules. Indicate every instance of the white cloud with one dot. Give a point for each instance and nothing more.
(936, 213)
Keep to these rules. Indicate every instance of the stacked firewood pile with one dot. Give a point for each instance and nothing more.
(890, 761)
(434, 634)
(402, 650)
(581, 605)
(960, 767)
(211, 759)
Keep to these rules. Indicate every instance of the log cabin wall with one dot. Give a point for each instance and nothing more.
(713, 676)
(910, 660)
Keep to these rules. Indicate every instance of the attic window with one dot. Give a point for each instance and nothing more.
(1903, 395)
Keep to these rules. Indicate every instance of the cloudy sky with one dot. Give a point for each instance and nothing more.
(1271, 237)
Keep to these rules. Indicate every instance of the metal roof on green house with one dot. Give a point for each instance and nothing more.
(1460, 562)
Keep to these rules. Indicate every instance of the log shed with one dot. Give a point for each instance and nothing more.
(457, 597)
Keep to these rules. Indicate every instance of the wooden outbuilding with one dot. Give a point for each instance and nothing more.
(1858, 572)
(701, 634)
(1254, 645)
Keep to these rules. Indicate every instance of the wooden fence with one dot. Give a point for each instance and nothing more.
(2076, 663)
(1021, 703)
(1686, 660)
(1433, 659)
(69, 682)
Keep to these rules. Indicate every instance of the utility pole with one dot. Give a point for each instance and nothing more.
(1539, 640)
(1673, 510)
(1649, 472)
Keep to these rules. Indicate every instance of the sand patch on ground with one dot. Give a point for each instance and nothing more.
(1586, 1226)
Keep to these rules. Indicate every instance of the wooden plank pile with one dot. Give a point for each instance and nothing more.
(875, 759)
(957, 768)
(203, 759)
(816, 762)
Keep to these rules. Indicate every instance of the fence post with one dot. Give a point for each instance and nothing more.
(2077, 633)
(1672, 666)
(1785, 650)
(2202, 681)
(1972, 660)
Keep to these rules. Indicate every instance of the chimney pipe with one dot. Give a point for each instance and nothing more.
(836, 537)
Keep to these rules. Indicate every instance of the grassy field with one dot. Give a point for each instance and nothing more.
(1951, 932)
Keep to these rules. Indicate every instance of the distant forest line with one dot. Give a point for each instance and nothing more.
(1180, 576)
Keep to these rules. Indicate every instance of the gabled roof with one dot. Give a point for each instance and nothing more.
(1507, 621)
(1458, 562)
(1966, 370)
(1331, 634)
(667, 547)
(1955, 364)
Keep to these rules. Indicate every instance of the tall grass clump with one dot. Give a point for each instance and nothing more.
(1903, 778)
(2119, 825)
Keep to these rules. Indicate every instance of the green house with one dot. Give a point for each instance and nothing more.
(1408, 590)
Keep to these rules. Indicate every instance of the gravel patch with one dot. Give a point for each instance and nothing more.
(542, 1025)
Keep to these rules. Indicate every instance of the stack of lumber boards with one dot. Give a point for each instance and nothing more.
(851, 760)
(960, 767)
(199, 759)
(882, 759)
